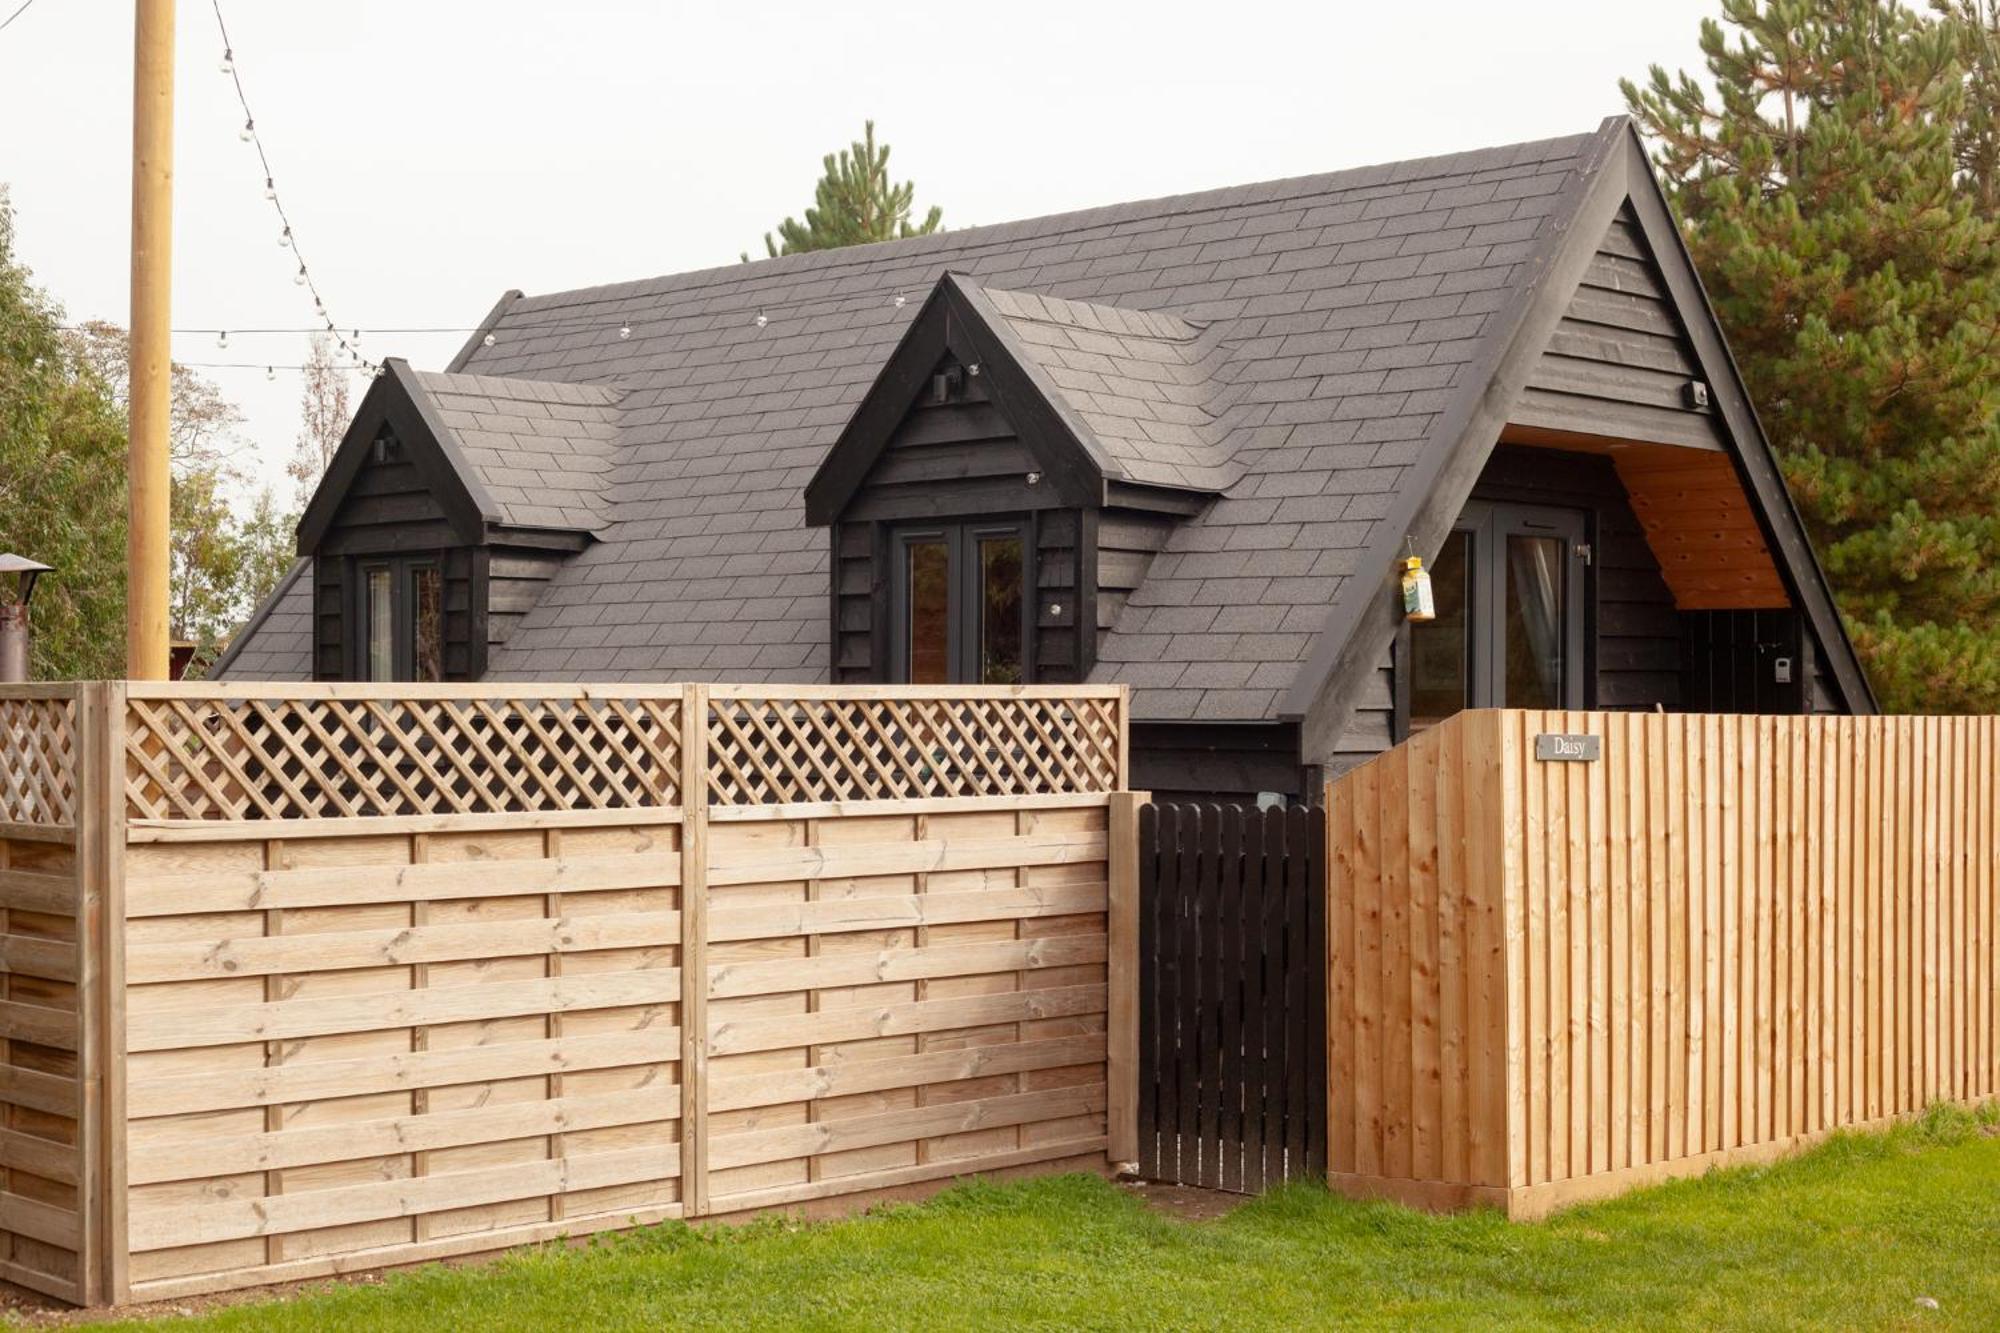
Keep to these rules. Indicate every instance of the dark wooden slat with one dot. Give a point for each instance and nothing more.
(1295, 989)
(1250, 971)
(1276, 1056)
(1208, 945)
(1150, 935)
(1187, 1127)
(1171, 993)
(1229, 949)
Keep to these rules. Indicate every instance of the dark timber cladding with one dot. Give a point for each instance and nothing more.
(954, 456)
(1619, 363)
(1232, 995)
(389, 509)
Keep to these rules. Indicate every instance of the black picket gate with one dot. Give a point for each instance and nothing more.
(1232, 995)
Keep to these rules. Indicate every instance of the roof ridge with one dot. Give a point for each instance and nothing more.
(1398, 172)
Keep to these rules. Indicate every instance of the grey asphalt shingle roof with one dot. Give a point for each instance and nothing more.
(541, 448)
(277, 643)
(1300, 338)
(1146, 383)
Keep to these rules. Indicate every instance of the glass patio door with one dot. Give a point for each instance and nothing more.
(1509, 630)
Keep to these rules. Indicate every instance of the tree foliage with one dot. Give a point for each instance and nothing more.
(1837, 192)
(62, 478)
(854, 203)
(62, 488)
(323, 417)
(219, 561)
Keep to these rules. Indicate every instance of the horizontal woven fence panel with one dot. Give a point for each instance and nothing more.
(392, 973)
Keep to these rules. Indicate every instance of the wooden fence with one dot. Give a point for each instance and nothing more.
(306, 979)
(1721, 939)
(1232, 995)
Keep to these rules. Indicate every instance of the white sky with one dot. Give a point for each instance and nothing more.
(432, 154)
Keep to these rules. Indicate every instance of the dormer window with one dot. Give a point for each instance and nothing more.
(960, 605)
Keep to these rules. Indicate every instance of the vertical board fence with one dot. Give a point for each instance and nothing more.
(1232, 986)
(393, 973)
(1725, 937)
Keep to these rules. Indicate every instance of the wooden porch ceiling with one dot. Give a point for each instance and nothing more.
(1697, 516)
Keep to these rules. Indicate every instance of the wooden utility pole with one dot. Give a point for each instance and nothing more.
(151, 350)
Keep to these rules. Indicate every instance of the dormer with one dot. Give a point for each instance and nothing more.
(451, 501)
(1007, 480)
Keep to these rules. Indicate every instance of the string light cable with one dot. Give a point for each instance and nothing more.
(286, 239)
(20, 10)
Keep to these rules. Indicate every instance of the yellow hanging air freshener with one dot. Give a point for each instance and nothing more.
(1418, 604)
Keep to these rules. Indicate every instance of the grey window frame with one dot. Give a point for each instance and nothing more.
(961, 538)
(402, 571)
(1489, 523)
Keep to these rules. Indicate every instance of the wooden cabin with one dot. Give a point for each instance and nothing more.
(1182, 444)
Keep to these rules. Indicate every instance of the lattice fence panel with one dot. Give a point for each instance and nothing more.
(233, 757)
(774, 750)
(38, 761)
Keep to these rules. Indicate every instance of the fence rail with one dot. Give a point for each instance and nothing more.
(1725, 937)
(333, 977)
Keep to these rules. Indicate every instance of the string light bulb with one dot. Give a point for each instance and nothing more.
(299, 278)
(248, 132)
(488, 340)
(285, 238)
(270, 372)
(270, 190)
(222, 338)
(624, 332)
(762, 319)
(901, 300)
(228, 65)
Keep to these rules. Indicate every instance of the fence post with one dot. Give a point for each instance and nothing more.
(694, 951)
(1121, 1094)
(100, 991)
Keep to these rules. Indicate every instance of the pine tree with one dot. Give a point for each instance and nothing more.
(1837, 198)
(854, 203)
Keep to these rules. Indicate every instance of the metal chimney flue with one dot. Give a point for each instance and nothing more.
(14, 614)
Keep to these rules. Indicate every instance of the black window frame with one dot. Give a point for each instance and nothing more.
(961, 538)
(403, 571)
(1489, 523)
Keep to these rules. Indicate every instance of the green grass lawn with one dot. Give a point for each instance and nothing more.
(1850, 1235)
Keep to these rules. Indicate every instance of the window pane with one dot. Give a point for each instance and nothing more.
(428, 633)
(380, 656)
(1534, 622)
(1440, 665)
(929, 577)
(1000, 655)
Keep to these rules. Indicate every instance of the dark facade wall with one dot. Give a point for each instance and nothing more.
(1217, 761)
(388, 511)
(1374, 725)
(514, 579)
(1632, 631)
(1127, 541)
(1619, 363)
(954, 459)
(1063, 650)
(947, 461)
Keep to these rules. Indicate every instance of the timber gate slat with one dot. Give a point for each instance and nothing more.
(1232, 981)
